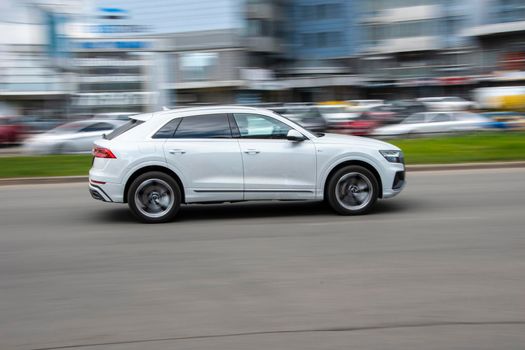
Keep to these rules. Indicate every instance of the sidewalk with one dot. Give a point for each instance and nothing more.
(409, 168)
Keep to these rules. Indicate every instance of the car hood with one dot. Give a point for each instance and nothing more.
(355, 141)
(51, 137)
(392, 129)
(342, 115)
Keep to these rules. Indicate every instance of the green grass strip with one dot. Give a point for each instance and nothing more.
(476, 147)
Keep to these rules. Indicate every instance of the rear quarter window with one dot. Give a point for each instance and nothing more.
(123, 128)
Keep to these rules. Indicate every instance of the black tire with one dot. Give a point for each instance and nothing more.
(363, 177)
(145, 195)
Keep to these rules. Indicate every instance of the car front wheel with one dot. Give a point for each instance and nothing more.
(352, 190)
(154, 197)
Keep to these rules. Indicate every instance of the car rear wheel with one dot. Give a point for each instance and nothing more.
(352, 190)
(154, 197)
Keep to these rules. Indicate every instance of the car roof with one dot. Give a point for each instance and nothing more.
(94, 121)
(187, 110)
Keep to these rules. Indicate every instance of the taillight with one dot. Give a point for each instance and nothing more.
(101, 152)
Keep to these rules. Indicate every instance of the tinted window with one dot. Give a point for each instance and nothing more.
(260, 127)
(442, 117)
(98, 127)
(123, 128)
(211, 126)
(168, 129)
(415, 118)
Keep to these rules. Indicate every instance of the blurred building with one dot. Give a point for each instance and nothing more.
(217, 51)
(500, 33)
(112, 62)
(323, 41)
(174, 52)
(80, 57)
(32, 45)
(416, 47)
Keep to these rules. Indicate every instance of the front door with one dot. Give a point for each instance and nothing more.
(274, 167)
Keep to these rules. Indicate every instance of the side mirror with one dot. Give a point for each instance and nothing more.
(294, 135)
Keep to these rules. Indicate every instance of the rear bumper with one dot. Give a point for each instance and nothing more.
(106, 191)
(98, 193)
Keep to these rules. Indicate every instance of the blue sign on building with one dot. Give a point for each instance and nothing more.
(110, 45)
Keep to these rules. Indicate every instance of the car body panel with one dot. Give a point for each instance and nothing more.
(232, 169)
(208, 178)
(274, 166)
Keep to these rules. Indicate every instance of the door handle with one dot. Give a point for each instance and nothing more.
(252, 151)
(177, 151)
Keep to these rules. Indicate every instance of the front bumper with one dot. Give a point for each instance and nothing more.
(394, 180)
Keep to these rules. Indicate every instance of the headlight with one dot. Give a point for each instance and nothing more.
(393, 156)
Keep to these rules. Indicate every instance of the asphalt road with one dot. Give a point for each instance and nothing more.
(442, 266)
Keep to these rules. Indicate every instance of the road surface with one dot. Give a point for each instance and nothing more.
(442, 266)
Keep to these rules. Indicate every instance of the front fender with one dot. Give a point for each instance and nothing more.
(337, 160)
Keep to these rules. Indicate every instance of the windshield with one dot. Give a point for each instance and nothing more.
(333, 110)
(68, 128)
(416, 118)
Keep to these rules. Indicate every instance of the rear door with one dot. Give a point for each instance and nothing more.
(207, 157)
(440, 122)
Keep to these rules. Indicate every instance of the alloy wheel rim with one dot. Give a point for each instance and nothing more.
(354, 191)
(154, 198)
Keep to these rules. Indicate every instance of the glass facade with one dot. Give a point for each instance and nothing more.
(323, 29)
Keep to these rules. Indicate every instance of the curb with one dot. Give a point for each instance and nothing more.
(465, 166)
(409, 168)
(43, 180)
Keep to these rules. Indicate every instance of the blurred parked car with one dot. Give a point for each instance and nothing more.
(37, 124)
(365, 103)
(500, 97)
(434, 122)
(114, 115)
(506, 120)
(369, 120)
(308, 117)
(336, 114)
(75, 137)
(404, 109)
(447, 103)
(11, 130)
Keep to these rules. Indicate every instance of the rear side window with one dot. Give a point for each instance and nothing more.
(415, 118)
(210, 126)
(441, 117)
(124, 128)
(167, 131)
(98, 127)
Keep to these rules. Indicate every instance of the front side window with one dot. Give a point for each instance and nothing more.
(258, 126)
(415, 118)
(210, 126)
(441, 117)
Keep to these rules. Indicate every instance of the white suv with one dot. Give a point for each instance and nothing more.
(158, 161)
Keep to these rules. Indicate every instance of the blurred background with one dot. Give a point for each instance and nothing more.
(381, 67)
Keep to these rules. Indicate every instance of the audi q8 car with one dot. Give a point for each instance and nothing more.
(158, 161)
